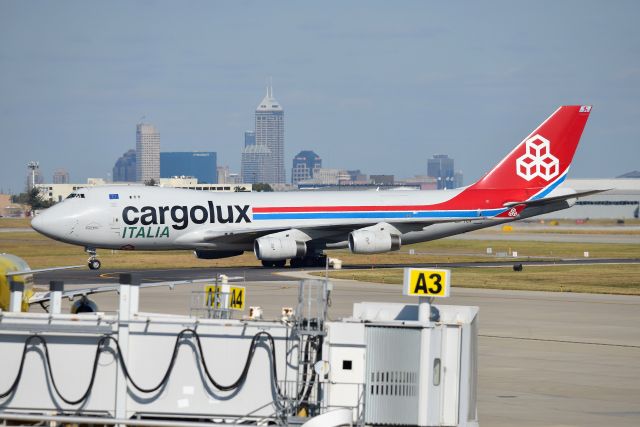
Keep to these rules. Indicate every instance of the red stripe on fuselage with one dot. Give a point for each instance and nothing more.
(468, 199)
(278, 209)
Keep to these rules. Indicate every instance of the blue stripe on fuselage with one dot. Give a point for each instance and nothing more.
(550, 188)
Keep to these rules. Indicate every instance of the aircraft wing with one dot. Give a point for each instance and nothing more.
(41, 270)
(249, 235)
(547, 200)
(44, 296)
(332, 232)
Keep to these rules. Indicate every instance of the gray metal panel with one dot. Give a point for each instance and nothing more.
(392, 375)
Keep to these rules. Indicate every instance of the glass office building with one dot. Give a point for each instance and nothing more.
(198, 164)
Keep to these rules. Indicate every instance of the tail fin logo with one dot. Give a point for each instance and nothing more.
(538, 160)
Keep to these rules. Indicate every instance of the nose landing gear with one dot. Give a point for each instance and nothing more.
(93, 262)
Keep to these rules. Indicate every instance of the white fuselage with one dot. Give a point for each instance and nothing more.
(152, 218)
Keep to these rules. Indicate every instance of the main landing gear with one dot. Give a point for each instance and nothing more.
(313, 260)
(93, 262)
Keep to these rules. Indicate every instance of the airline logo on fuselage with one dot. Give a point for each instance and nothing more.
(182, 216)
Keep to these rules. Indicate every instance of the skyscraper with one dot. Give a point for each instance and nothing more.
(147, 153)
(305, 163)
(249, 138)
(125, 168)
(440, 167)
(270, 134)
(255, 165)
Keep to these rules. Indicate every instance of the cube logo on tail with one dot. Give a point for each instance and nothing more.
(538, 160)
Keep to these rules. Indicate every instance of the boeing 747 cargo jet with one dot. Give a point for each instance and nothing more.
(299, 226)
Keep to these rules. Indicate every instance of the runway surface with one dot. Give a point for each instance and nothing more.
(546, 359)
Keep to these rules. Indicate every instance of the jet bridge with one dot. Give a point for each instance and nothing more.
(387, 364)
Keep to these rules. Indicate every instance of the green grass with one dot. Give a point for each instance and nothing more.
(608, 279)
(15, 222)
(454, 250)
(41, 252)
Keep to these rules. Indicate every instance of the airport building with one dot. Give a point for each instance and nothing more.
(59, 192)
(199, 164)
(125, 168)
(147, 153)
(382, 179)
(305, 165)
(425, 182)
(621, 202)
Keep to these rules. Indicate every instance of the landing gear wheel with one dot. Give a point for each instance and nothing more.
(296, 262)
(268, 264)
(94, 264)
(280, 263)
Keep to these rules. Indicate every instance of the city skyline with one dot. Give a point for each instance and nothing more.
(383, 93)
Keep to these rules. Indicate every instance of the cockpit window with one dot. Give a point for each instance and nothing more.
(75, 195)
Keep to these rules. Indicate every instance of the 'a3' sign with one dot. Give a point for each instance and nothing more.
(426, 282)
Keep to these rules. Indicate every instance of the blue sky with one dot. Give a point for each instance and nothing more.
(379, 86)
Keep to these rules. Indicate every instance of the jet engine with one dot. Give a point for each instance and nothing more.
(373, 241)
(83, 305)
(276, 249)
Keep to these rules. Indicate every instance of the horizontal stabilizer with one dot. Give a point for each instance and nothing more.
(547, 200)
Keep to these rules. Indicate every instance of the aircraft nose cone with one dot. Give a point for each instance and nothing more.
(44, 224)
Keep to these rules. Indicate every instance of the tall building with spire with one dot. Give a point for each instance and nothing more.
(269, 133)
(147, 153)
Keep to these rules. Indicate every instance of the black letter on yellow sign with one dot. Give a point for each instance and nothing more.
(436, 281)
(421, 285)
(236, 299)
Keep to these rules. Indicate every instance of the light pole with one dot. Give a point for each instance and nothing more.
(33, 165)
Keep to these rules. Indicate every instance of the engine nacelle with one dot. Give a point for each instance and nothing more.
(208, 254)
(83, 305)
(277, 249)
(373, 241)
